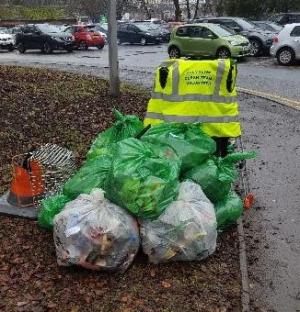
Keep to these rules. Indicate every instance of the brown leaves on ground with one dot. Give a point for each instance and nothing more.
(39, 106)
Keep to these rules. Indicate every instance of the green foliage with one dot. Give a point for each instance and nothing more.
(31, 12)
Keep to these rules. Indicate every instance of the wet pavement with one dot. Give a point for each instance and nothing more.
(273, 226)
(260, 74)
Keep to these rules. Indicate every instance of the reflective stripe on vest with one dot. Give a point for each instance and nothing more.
(191, 119)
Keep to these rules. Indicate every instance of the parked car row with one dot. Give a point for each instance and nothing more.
(47, 38)
(223, 37)
(260, 40)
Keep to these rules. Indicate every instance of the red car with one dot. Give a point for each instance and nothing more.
(85, 38)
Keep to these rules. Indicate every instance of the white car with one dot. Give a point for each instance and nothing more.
(7, 40)
(286, 45)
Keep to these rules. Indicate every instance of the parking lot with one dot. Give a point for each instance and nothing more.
(137, 64)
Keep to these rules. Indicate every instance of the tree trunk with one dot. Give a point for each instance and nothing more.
(196, 9)
(146, 8)
(177, 10)
(188, 9)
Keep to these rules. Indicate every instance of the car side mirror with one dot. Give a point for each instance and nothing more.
(236, 29)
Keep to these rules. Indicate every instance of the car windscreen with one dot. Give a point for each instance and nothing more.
(276, 18)
(68, 30)
(147, 25)
(221, 31)
(144, 27)
(48, 29)
(246, 24)
(275, 26)
(104, 26)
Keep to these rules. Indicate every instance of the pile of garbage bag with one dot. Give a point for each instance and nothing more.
(185, 231)
(217, 174)
(166, 177)
(95, 234)
(140, 181)
(125, 127)
(188, 141)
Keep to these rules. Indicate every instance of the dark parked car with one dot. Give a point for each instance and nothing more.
(140, 33)
(260, 40)
(286, 18)
(159, 27)
(43, 37)
(268, 26)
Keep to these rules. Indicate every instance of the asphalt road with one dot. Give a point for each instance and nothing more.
(272, 227)
(261, 74)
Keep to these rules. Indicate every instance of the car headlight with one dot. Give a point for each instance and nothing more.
(55, 38)
(148, 34)
(234, 43)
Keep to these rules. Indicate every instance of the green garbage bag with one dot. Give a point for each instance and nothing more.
(228, 210)
(92, 174)
(190, 143)
(217, 174)
(50, 208)
(125, 126)
(141, 181)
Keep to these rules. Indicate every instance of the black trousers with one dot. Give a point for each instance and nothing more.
(222, 145)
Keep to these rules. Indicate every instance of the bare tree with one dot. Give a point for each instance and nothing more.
(178, 11)
(196, 9)
(146, 8)
(188, 9)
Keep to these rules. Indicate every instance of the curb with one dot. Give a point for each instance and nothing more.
(245, 295)
(275, 98)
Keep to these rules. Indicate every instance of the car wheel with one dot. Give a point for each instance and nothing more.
(100, 47)
(47, 48)
(143, 41)
(223, 53)
(10, 49)
(255, 47)
(119, 42)
(70, 50)
(285, 56)
(21, 48)
(174, 52)
(83, 45)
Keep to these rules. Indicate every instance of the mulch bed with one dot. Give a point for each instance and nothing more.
(40, 106)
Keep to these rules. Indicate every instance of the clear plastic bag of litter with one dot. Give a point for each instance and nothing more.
(185, 231)
(95, 234)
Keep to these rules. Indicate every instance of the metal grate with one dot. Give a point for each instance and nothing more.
(56, 165)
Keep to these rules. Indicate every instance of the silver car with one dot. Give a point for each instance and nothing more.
(286, 45)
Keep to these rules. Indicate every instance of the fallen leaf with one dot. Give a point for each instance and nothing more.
(51, 305)
(165, 284)
(125, 298)
(22, 303)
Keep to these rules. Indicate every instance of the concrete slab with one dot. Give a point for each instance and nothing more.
(8, 209)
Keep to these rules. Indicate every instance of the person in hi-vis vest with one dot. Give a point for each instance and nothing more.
(193, 91)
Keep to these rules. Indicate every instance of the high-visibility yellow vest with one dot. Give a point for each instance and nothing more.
(196, 91)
